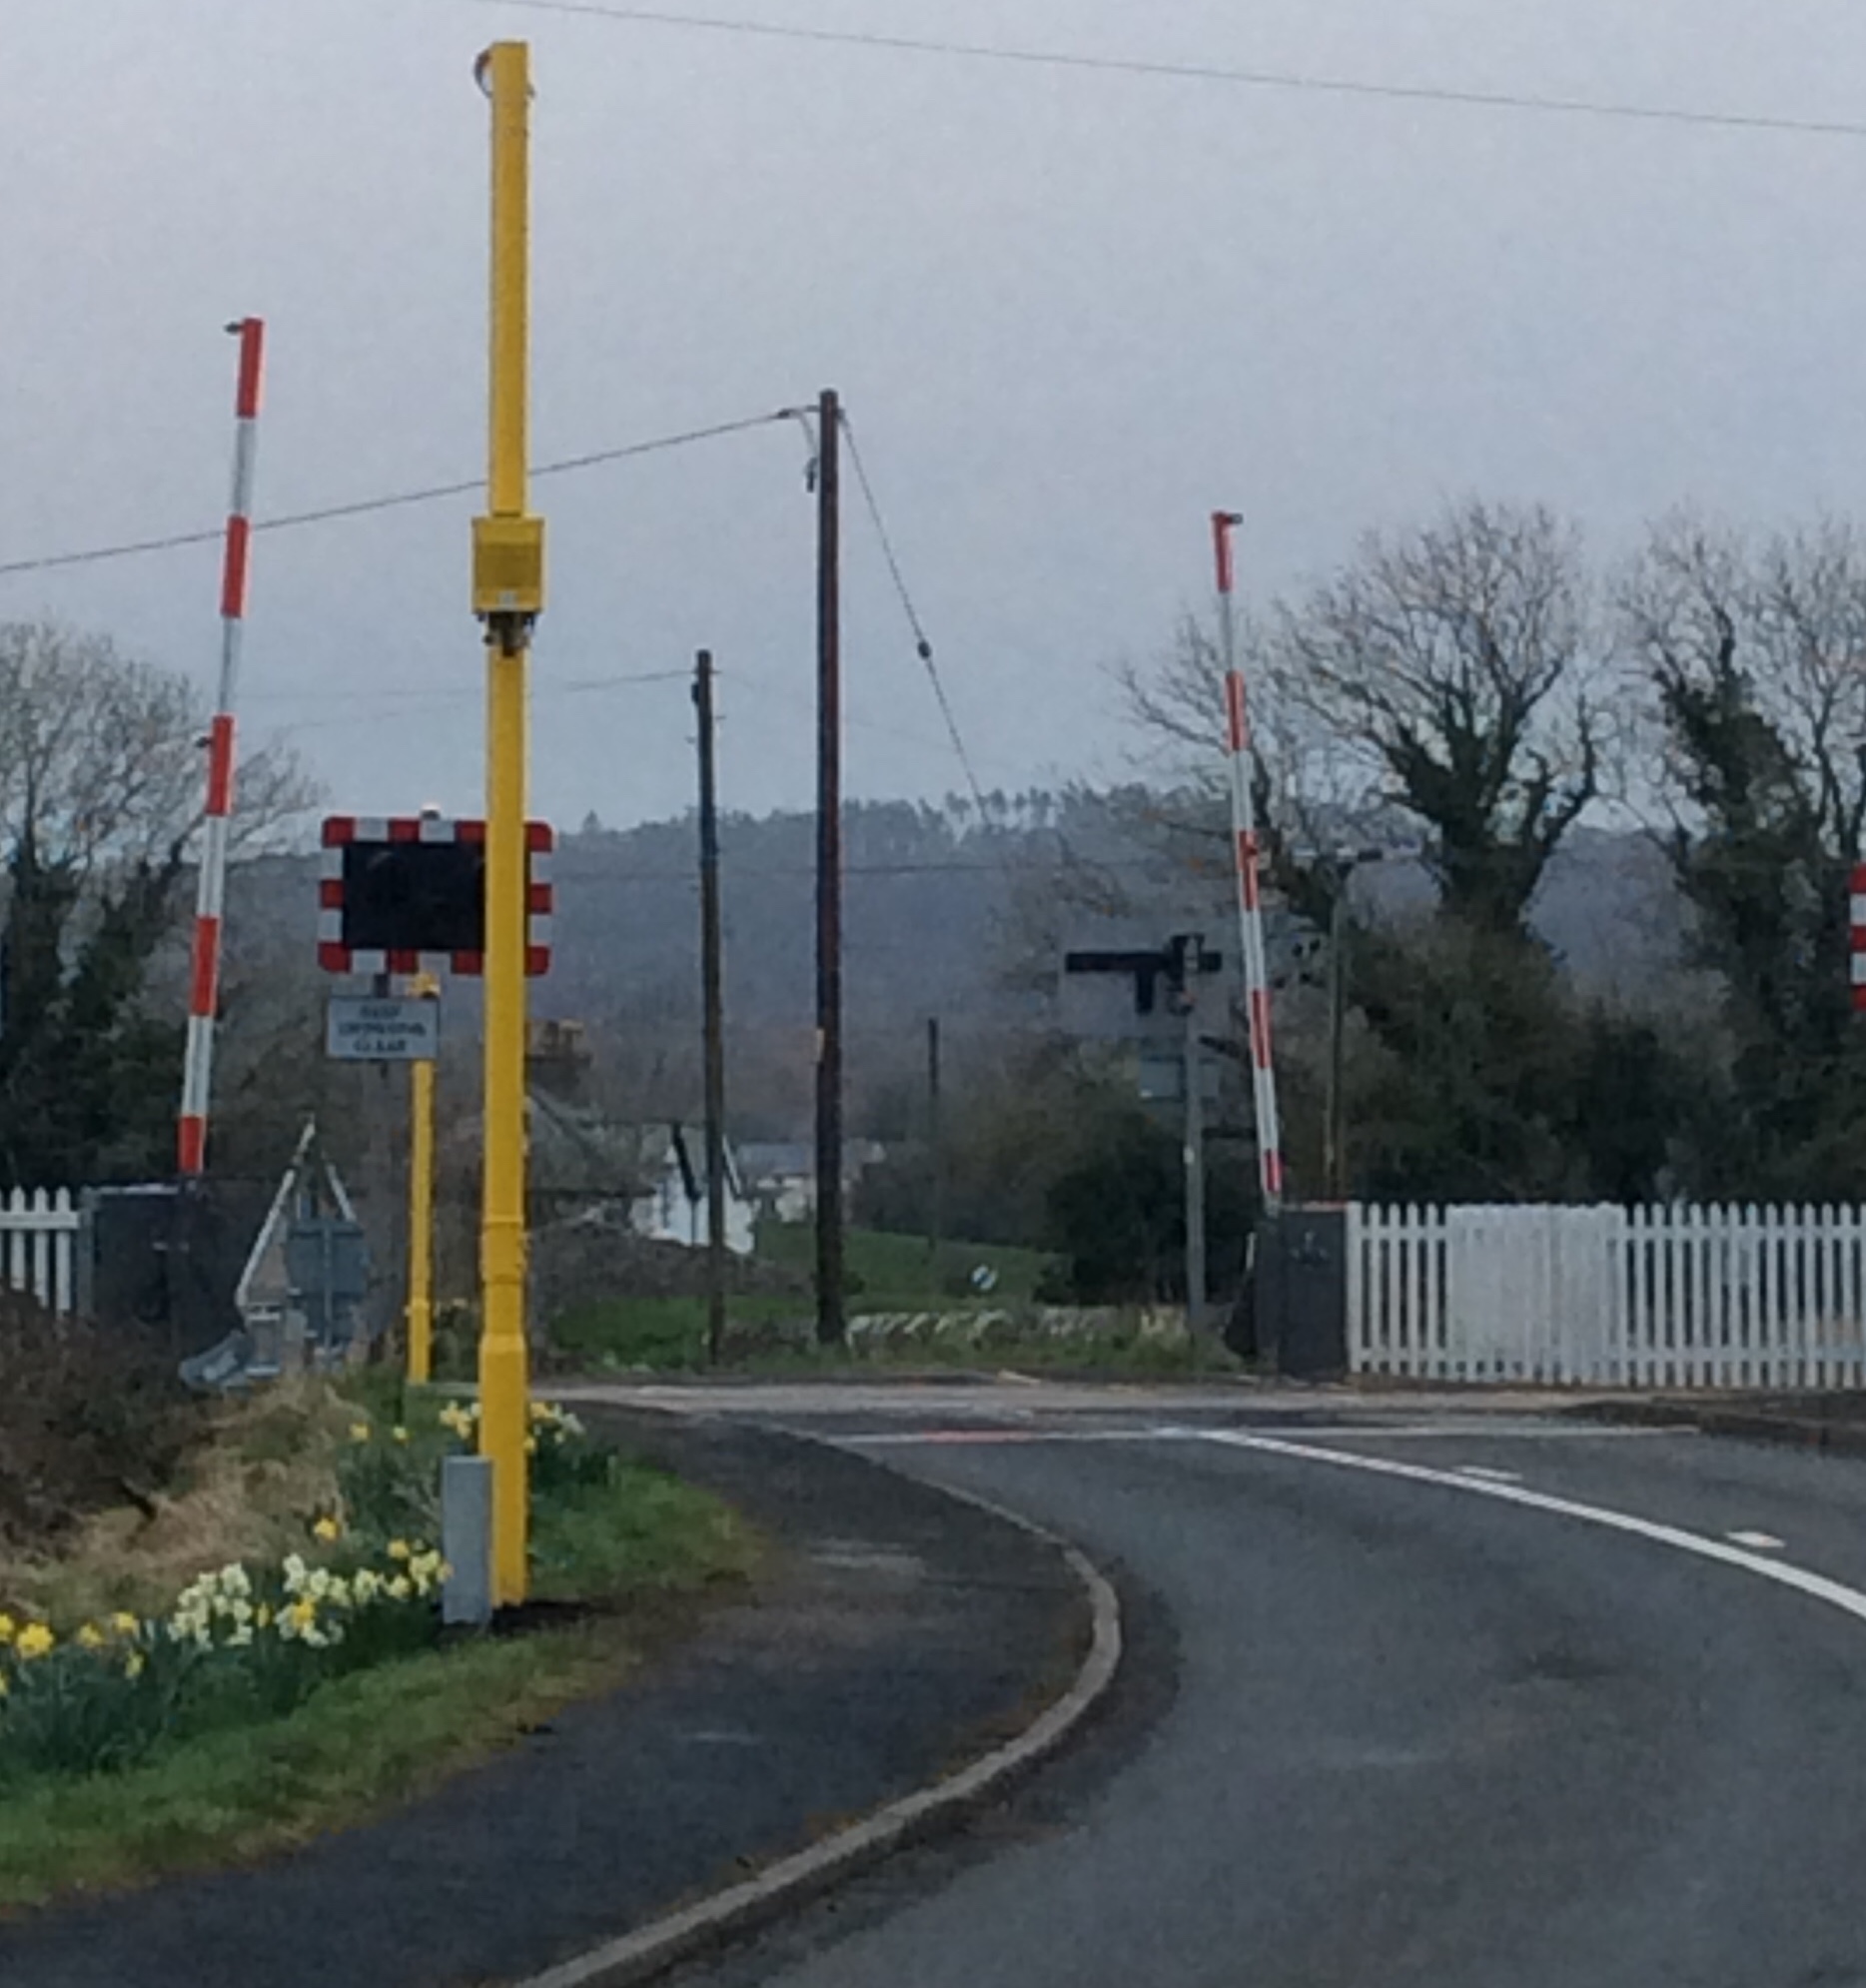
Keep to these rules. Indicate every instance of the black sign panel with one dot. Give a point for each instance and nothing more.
(425, 897)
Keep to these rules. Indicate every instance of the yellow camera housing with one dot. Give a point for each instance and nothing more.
(508, 566)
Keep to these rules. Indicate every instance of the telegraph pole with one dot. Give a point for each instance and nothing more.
(829, 1265)
(1334, 1159)
(936, 1147)
(508, 596)
(1192, 952)
(713, 1002)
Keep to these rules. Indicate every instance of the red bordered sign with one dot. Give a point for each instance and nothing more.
(407, 895)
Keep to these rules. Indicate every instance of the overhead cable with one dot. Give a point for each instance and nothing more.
(1210, 71)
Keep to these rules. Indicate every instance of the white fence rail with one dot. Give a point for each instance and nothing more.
(1687, 1297)
(38, 1245)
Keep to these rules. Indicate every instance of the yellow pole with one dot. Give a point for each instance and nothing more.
(509, 594)
(421, 1316)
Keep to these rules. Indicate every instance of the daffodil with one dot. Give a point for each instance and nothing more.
(133, 1664)
(359, 1431)
(402, 1588)
(327, 1529)
(124, 1623)
(399, 1433)
(8, 1630)
(35, 1639)
(400, 1549)
(91, 1636)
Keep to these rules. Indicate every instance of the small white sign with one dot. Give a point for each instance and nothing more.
(358, 1029)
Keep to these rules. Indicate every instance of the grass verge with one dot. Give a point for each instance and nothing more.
(636, 1547)
(888, 1273)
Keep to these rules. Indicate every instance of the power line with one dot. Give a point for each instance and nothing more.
(393, 501)
(922, 646)
(374, 707)
(458, 692)
(1006, 866)
(1203, 72)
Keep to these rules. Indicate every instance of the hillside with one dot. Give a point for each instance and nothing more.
(945, 915)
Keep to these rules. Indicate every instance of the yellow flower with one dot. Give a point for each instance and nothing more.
(399, 1433)
(327, 1529)
(91, 1636)
(133, 1663)
(359, 1431)
(264, 1617)
(399, 1588)
(8, 1630)
(301, 1614)
(124, 1623)
(35, 1639)
(400, 1549)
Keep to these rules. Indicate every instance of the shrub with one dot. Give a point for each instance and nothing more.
(90, 1418)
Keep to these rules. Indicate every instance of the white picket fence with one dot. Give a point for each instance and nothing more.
(39, 1244)
(1686, 1296)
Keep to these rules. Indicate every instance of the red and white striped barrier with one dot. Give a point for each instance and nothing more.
(209, 904)
(343, 832)
(1859, 938)
(1254, 952)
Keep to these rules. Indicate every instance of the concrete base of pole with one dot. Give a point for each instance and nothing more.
(466, 1540)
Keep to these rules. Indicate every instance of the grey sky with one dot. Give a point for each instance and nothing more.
(1069, 313)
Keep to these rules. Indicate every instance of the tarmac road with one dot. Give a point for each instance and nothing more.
(1423, 1730)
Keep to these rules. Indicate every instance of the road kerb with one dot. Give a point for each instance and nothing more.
(1713, 1418)
(683, 1936)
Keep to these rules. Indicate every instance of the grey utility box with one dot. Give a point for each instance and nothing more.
(466, 1540)
(1301, 1309)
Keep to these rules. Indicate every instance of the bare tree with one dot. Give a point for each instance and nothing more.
(1756, 655)
(1772, 636)
(101, 756)
(101, 788)
(1441, 687)
(1457, 666)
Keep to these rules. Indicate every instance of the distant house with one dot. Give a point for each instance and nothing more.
(676, 1207)
(780, 1176)
(582, 1160)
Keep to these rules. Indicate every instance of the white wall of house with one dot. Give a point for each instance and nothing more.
(667, 1215)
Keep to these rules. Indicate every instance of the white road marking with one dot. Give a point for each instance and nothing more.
(931, 1437)
(1762, 1542)
(1497, 1431)
(1849, 1601)
(1488, 1475)
(991, 1428)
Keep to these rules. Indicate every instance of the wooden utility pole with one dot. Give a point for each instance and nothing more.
(829, 1265)
(1335, 1142)
(712, 994)
(1192, 953)
(936, 1150)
